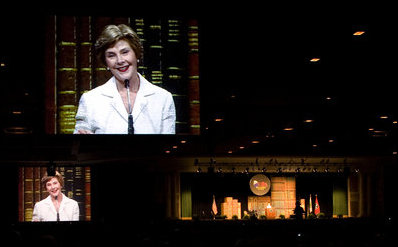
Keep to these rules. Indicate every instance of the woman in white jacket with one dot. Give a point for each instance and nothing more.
(57, 206)
(127, 103)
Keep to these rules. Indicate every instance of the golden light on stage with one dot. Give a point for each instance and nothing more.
(270, 213)
(358, 33)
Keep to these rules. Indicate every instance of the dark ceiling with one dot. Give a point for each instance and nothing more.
(257, 81)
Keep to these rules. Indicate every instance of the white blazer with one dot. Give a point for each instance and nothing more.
(44, 210)
(102, 111)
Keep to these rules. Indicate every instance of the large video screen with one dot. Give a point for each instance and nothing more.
(169, 61)
(67, 75)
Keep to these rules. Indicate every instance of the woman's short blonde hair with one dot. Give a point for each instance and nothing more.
(47, 178)
(111, 34)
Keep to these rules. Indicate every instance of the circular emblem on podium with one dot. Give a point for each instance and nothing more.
(260, 184)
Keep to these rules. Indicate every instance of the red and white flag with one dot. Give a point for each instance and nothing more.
(317, 208)
(214, 206)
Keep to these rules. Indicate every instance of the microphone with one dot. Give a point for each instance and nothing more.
(130, 128)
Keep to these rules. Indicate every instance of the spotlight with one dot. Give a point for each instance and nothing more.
(314, 170)
(327, 169)
(264, 170)
(199, 170)
(279, 170)
(247, 170)
(298, 169)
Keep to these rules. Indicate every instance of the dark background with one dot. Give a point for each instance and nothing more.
(255, 73)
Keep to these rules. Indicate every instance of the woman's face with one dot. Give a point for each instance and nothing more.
(53, 187)
(121, 60)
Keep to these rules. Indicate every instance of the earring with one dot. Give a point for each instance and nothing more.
(108, 69)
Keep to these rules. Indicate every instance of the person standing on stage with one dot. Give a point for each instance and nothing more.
(127, 103)
(57, 206)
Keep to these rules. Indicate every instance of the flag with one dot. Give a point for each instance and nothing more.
(310, 206)
(214, 206)
(317, 208)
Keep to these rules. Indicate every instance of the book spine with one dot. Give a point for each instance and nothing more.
(78, 189)
(87, 193)
(138, 25)
(84, 54)
(36, 185)
(66, 74)
(154, 49)
(28, 181)
(174, 60)
(21, 190)
(50, 77)
(193, 76)
(44, 193)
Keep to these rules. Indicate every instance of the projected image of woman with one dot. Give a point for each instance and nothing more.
(57, 206)
(127, 103)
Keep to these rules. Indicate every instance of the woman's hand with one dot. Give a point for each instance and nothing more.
(84, 132)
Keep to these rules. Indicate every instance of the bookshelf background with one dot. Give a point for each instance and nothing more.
(171, 61)
(77, 185)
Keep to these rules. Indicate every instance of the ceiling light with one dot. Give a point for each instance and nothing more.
(314, 60)
(358, 33)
